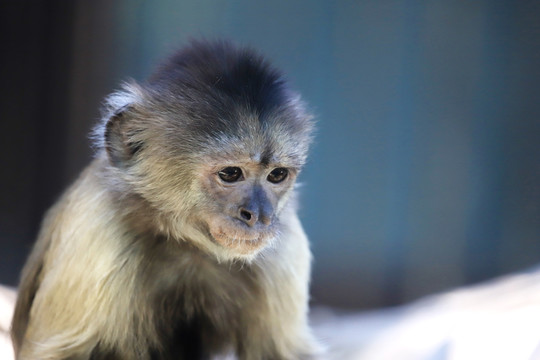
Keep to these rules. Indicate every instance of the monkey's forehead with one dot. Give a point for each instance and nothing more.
(270, 148)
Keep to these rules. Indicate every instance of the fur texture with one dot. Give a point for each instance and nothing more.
(146, 257)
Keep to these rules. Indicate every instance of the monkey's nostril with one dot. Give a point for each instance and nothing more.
(246, 215)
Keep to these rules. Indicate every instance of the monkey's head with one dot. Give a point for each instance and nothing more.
(213, 143)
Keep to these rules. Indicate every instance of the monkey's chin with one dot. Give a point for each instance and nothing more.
(238, 245)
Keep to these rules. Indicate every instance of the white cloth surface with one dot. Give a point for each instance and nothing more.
(7, 301)
(497, 320)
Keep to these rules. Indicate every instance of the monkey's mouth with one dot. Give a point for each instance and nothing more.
(244, 243)
(239, 239)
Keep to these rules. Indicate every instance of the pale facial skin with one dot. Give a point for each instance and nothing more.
(245, 200)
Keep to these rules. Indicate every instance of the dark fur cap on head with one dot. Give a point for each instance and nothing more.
(220, 75)
(208, 92)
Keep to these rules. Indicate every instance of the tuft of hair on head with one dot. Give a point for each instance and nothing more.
(231, 73)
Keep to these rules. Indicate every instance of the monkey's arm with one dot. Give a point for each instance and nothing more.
(30, 280)
(73, 293)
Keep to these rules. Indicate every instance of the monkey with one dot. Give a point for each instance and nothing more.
(181, 239)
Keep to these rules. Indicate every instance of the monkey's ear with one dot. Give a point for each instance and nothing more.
(120, 138)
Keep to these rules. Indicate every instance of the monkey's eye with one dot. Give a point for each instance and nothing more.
(230, 174)
(277, 175)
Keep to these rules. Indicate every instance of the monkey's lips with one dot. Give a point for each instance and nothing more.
(241, 243)
(239, 238)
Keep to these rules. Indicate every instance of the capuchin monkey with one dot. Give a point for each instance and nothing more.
(180, 240)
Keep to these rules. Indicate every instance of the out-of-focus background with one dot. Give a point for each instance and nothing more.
(425, 174)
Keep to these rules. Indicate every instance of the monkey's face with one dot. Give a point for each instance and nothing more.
(213, 142)
(242, 203)
(223, 193)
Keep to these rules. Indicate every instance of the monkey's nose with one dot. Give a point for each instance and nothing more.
(249, 217)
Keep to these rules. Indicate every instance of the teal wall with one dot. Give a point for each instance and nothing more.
(425, 173)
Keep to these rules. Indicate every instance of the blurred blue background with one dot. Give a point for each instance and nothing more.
(425, 174)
